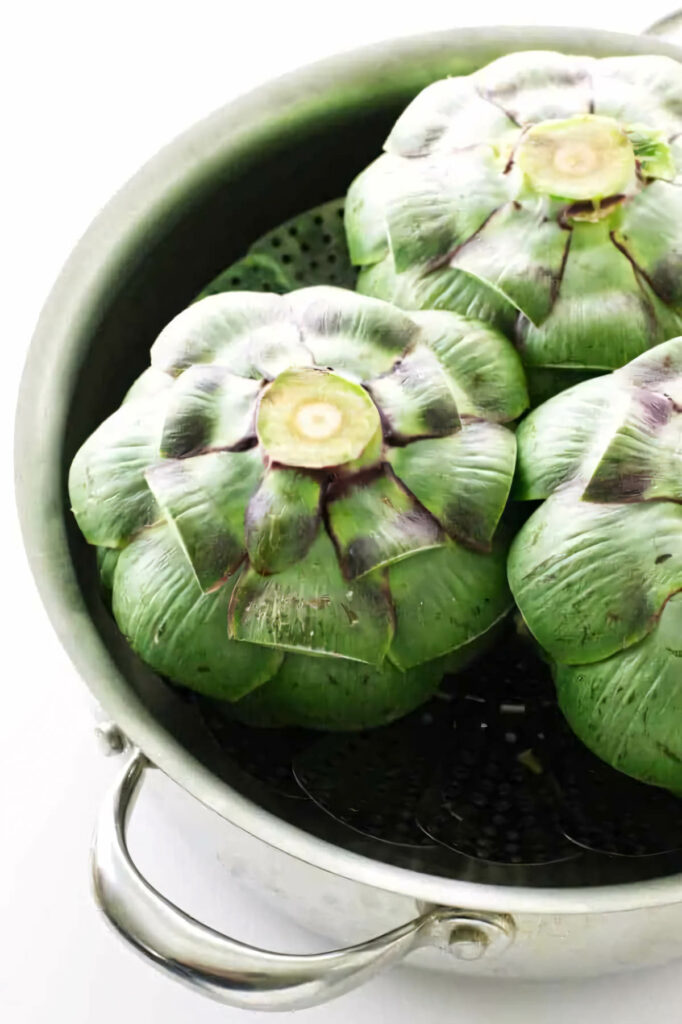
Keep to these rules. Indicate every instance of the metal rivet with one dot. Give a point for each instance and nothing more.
(467, 942)
(110, 738)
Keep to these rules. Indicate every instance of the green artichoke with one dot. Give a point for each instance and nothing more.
(296, 505)
(542, 195)
(597, 570)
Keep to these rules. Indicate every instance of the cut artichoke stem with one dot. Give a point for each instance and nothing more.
(584, 158)
(316, 419)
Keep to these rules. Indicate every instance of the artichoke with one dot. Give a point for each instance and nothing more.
(597, 570)
(542, 195)
(297, 504)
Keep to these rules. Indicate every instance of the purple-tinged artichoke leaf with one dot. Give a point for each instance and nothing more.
(312, 609)
(463, 480)
(521, 253)
(604, 314)
(648, 230)
(416, 397)
(376, 523)
(204, 500)
(442, 204)
(643, 462)
(559, 439)
(282, 520)
(209, 408)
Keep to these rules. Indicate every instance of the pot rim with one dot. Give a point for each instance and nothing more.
(67, 316)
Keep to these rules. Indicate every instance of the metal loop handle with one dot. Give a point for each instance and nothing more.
(668, 27)
(241, 975)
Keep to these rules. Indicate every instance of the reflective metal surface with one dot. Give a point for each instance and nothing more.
(189, 213)
(669, 28)
(240, 975)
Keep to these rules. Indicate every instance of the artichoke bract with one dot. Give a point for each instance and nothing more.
(297, 503)
(597, 570)
(541, 194)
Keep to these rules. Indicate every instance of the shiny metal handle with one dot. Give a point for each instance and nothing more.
(668, 27)
(241, 975)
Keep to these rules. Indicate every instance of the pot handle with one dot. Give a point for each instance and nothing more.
(241, 975)
(667, 27)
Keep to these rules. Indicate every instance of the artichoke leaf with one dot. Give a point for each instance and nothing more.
(627, 709)
(107, 488)
(655, 157)
(643, 462)
(447, 115)
(365, 212)
(250, 333)
(483, 367)
(204, 500)
(209, 407)
(445, 598)
(642, 89)
(604, 314)
(282, 520)
(560, 439)
(336, 694)
(649, 231)
(416, 398)
(520, 252)
(463, 480)
(443, 288)
(150, 383)
(376, 522)
(311, 608)
(660, 370)
(591, 579)
(107, 560)
(356, 335)
(538, 85)
(178, 630)
(443, 203)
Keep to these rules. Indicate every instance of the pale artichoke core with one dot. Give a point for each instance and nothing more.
(315, 419)
(587, 157)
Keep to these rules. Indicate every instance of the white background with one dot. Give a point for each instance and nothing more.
(88, 92)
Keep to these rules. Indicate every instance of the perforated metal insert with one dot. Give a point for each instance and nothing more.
(493, 798)
(374, 782)
(309, 249)
(606, 811)
(484, 782)
(481, 771)
(266, 758)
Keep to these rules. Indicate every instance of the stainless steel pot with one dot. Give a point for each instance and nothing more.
(188, 213)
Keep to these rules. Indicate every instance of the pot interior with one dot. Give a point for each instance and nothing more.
(222, 187)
